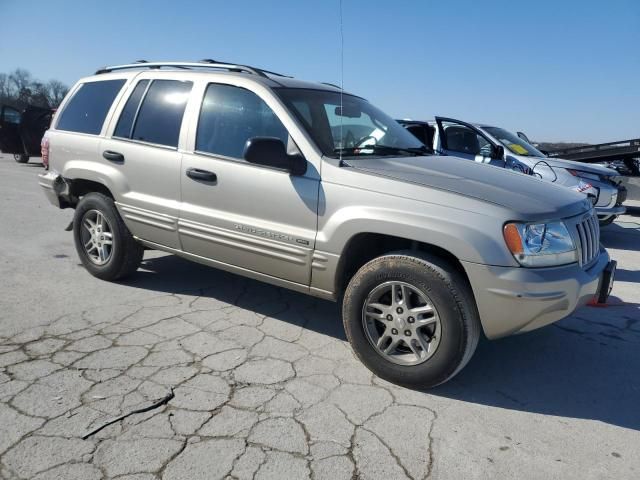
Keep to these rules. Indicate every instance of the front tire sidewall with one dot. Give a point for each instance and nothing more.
(451, 350)
(103, 204)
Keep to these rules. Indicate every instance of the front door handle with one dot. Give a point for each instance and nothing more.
(113, 156)
(204, 175)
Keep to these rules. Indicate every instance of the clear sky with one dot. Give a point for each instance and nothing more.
(564, 70)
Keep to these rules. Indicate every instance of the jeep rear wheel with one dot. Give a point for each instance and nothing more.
(21, 157)
(105, 246)
(411, 318)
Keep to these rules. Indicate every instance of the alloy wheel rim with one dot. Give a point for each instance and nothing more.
(401, 323)
(97, 237)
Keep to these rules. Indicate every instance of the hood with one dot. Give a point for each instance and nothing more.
(562, 163)
(528, 198)
(584, 167)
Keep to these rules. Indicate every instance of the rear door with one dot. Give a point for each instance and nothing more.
(9, 130)
(142, 146)
(244, 215)
(461, 139)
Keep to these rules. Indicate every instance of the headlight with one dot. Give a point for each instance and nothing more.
(580, 173)
(540, 244)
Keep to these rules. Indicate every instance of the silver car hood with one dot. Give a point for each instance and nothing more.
(527, 197)
(584, 167)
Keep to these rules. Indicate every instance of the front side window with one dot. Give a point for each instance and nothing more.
(11, 115)
(462, 139)
(514, 143)
(348, 126)
(159, 117)
(232, 115)
(88, 108)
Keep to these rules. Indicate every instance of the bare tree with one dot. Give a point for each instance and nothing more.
(20, 89)
(39, 95)
(19, 79)
(5, 90)
(56, 91)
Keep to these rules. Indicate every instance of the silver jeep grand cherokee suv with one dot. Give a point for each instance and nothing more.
(278, 179)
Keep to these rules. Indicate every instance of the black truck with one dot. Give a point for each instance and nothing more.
(21, 130)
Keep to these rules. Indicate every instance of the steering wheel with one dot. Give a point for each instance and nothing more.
(364, 139)
(486, 150)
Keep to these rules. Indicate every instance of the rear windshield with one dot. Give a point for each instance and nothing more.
(87, 109)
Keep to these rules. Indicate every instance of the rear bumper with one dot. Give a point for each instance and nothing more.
(514, 300)
(53, 185)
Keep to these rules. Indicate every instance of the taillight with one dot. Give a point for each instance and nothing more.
(44, 152)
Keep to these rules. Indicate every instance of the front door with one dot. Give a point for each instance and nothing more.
(10, 141)
(144, 149)
(241, 214)
(461, 139)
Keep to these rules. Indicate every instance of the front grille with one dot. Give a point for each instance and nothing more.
(589, 240)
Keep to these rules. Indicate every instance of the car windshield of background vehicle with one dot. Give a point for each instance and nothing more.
(353, 128)
(514, 143)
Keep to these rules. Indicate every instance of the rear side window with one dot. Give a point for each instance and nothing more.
(160, 116)
(87, 109)
(128, 115)
(232, 115)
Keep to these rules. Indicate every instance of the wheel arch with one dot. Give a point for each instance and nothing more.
(84, 177)
(364, 247)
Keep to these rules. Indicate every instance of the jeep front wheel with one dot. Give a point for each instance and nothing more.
(411, 318)
(105, 246)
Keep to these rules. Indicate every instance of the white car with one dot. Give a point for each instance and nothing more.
(497, 146)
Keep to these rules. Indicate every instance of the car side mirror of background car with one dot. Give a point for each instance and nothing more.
(271, 152)
(497, 152)
(522, 136)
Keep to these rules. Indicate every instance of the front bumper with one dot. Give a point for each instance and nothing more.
(514, 300)
(605, 212)
(616, 196)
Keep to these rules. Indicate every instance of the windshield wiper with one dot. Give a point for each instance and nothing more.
(373, 149)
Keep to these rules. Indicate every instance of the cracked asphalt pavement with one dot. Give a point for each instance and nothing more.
(265, 385)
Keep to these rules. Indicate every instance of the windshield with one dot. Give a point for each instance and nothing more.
(354, 129)
(514, 143)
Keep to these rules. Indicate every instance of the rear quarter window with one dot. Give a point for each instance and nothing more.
(87, 109)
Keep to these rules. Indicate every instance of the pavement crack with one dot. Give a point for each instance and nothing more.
(156, 404)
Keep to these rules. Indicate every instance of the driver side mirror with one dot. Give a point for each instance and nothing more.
(271, 152)
(497, 152)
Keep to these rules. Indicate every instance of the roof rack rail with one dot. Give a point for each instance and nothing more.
(332, 85)
(187, 65)
(209, 60)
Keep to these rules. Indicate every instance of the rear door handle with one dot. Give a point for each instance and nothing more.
(113, 156)
(204, 175)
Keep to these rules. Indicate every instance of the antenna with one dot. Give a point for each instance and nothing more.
(341, 81)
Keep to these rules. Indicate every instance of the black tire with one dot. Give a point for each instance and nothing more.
(21, 158)
(608, 221)
(449, 292)
(126, 253)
